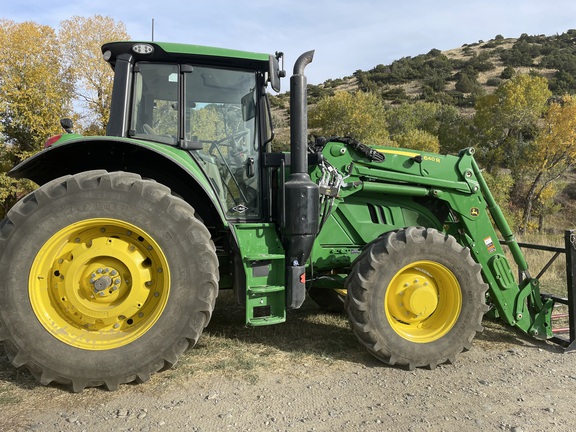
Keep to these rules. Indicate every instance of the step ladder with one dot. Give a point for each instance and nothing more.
(264, 266)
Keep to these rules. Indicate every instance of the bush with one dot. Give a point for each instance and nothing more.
(466, 84)
(508, 72)
(493, 82)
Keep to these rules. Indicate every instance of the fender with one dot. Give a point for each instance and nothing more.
(171, 166)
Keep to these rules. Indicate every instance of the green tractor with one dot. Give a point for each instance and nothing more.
(111, 268)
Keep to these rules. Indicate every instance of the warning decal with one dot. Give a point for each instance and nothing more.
(489, 244)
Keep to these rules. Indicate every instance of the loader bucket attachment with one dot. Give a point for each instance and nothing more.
(564, 321)
(563, 316)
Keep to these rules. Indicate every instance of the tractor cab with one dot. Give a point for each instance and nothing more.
(200, 102)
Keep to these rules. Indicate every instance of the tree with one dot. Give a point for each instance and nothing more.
(34, 88)
(508, 72)
(467, 84)
(549, 156)
(506, 120)
(35, 92)
(418, 139)
(442, 122)
(81, 39)
(358, 115)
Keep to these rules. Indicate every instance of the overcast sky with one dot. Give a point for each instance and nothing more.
(347, 35)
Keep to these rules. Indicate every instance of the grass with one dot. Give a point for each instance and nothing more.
(553, 281)
(309, 336)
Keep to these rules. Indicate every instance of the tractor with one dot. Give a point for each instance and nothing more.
(112, 266)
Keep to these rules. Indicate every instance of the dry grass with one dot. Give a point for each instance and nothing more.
(309, 337)
(553, 281)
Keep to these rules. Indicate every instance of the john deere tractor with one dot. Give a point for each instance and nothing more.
(110, 270)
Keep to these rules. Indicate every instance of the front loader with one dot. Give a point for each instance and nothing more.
(111, 268)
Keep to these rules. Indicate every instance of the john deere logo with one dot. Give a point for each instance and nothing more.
(474, 211)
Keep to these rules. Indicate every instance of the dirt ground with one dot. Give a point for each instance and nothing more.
(506, 382)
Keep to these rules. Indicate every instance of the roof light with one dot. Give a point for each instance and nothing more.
(107, 55)
(143, 49)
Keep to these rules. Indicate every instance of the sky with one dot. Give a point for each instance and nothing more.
(346, 35)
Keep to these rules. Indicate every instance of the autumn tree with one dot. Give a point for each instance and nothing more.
(35, 93)
(418, 139)
(358, 115)
(546, 159)
(81, 39)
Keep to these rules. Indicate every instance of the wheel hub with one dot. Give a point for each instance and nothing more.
(104, 281)
(421, 299)
(99, 284)
(416, 297)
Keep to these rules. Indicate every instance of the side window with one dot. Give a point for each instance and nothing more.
(155, 103)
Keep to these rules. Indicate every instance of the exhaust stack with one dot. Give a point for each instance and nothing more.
(301, 194)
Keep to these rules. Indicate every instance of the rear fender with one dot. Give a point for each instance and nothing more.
(170, 166)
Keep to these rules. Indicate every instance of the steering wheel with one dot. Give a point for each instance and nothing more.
(233, 141)
(148, 129)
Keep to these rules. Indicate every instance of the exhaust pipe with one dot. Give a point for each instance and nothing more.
(301, 194)
(299, 115)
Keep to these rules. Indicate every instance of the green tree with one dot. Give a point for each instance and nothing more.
(506, 120)
(466, 84)
(358, 115)
(508, 72)
(438, 120)
(81, 39)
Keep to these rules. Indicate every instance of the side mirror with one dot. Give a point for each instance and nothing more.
(67, 124)
(248, 107)
(274, 71)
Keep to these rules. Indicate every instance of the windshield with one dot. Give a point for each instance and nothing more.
(217, 117)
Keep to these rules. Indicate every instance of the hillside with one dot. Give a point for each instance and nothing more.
(455, 78)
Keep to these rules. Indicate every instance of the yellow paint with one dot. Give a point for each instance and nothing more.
(99, 284)
(423, 302)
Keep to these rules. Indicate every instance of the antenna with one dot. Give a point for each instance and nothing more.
(152, 29)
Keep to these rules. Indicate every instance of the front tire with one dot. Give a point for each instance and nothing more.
(107, 278)
(416, 298)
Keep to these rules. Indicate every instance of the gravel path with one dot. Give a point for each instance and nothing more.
(505, 382)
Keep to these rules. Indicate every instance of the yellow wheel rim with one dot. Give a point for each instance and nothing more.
(99, 284)
(423, 301)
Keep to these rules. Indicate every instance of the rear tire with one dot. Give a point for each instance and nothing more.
(106, 278)
(416, 298)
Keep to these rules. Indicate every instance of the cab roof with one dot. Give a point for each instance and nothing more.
(183, 53)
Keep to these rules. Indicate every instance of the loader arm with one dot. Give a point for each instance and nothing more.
(474, 218)
(519, 304)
